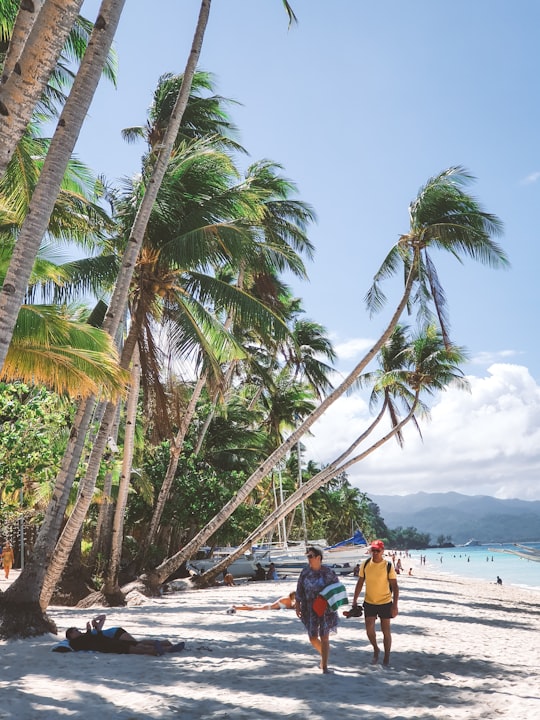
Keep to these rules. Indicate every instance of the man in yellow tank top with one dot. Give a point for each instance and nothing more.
(381, 598)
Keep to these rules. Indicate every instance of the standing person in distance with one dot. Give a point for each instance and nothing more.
(310, 583)
(381, 598)
(8, 558)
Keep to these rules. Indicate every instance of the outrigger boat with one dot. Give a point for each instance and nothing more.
(523, 551)
(341, 557)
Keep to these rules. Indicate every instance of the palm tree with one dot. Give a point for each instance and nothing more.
(221, 222)
(120, 295)
(442, 216)
(427, 367)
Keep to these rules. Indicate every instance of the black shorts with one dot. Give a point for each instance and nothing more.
(382, 611)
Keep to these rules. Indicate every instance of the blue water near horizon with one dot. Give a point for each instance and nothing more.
(481, 562)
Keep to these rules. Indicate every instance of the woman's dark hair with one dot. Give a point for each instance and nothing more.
(314, 551)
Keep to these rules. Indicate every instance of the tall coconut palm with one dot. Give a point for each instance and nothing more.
(203, 224)
(443, 216)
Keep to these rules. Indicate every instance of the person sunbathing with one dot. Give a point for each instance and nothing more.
(284, 603)
(116, 640)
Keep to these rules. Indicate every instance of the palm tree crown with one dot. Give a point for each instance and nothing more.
(443, 216)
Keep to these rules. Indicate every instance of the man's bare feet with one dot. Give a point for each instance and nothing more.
(375, 658)
(386, 660)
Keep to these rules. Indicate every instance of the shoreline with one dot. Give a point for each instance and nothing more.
(462, 650)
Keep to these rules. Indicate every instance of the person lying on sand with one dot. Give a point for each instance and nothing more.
(284, 603)
(120, 642)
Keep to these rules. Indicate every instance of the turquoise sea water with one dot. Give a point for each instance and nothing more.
(482, 563)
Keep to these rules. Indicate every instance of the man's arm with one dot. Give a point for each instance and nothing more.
(395, 595)
(98, 622)
(358, 589)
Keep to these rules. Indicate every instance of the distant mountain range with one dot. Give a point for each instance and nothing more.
(462, 517)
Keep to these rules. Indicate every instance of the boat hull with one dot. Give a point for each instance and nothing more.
(241, 568)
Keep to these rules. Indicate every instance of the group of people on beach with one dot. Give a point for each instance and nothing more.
(320, 618)
(381, 601)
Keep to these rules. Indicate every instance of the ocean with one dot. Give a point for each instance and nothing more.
(482, 562)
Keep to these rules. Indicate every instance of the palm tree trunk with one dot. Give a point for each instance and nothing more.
(27, 586)
(29, 70)
(101, 544)
(119, 299)
(111, 586)
(46, 191)
(176, 448)
(26, 17)
(76, 519)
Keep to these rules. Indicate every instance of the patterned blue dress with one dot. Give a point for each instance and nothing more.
(310, 583)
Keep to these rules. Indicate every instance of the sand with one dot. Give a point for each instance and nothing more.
(461, 650)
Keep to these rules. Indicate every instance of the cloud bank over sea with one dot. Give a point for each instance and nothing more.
(482, 442)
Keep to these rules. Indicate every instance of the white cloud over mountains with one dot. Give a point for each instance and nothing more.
(482, 442)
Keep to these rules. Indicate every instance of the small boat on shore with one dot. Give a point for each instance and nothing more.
(242, 567)
(341, 557)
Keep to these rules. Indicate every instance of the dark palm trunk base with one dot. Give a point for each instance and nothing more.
(23, 620)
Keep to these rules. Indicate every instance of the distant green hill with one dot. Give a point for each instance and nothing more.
(463, 517)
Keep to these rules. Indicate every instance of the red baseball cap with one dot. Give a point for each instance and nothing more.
(377, 544)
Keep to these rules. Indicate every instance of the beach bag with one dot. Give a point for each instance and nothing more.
(335, 595)
(319, 605)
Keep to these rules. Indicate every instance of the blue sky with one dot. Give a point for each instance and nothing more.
(361, 103)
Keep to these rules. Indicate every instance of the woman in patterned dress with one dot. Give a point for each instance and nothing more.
(311, 581)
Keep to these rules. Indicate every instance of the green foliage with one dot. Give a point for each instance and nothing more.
(408, 539)
(199, 491)
(33, 434)
(335, 510)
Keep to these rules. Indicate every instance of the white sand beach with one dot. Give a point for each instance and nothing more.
(462, 650)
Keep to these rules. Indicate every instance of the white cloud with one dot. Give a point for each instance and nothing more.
(485, 442)
(531, 178)
(488, 358)
(353, 348)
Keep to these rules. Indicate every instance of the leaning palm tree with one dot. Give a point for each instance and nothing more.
(422, 366)
(443, 216)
